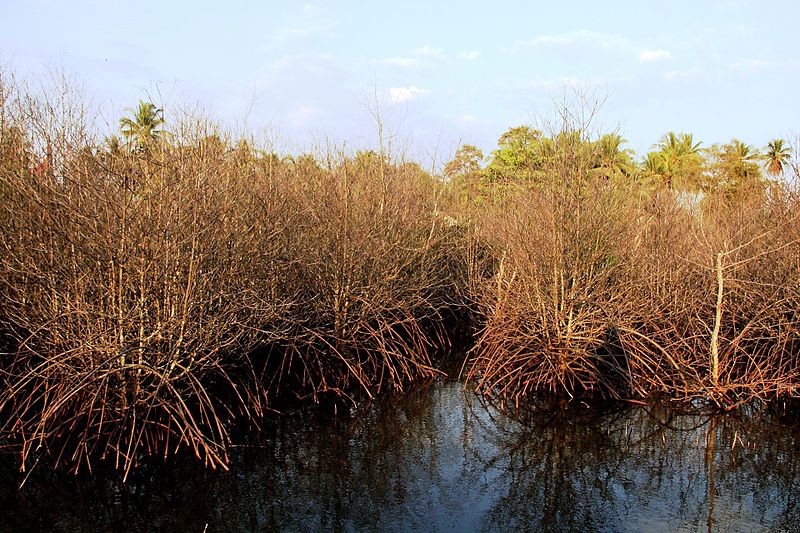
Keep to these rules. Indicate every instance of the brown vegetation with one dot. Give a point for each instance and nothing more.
(152, 295)
(626, 291)
(155, 291)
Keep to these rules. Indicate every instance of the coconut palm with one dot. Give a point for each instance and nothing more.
(743, 152)
(680, 161)
(734, 169)
(612, 160)
(681, 144)
(777, 156)
(744, 161)
(142, 129)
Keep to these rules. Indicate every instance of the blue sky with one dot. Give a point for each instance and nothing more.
(441, 73)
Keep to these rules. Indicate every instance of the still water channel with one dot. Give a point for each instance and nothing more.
(436, 459)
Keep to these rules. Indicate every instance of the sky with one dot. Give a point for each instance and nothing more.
(437, 74)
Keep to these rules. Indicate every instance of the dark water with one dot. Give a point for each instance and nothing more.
(436, 459)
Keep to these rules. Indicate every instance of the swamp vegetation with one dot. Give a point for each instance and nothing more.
(166, 290)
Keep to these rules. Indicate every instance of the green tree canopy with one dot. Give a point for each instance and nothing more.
(777, 156)
(142, 129)
(734, 170)
(464, 173)
(611, 160)
(567, 159)
(519, 154)
(466, 162)
(678, 161)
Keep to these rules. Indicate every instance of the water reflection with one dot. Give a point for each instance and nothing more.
(435, 459)
(640, 469)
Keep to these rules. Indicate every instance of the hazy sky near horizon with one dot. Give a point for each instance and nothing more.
(442, 73)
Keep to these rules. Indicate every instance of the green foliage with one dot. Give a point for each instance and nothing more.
(521, 151)
(777, 157)
(734, 171)
(527, 159)
(141, 130)
(611, 160)
(464, 174)
(306, 165)
(467, 161)
(678, 162)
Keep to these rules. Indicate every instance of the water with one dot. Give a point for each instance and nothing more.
(437, 459)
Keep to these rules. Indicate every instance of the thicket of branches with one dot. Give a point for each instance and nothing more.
(615, 279)
(154, 289)
(159, 287)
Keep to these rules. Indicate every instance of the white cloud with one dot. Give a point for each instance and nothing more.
(406, 62)
(584, 38)
(648, 56)
(292, 33)
(406, 94)
(429, 51)
(469, 54)
(421, 55)
(465, 119)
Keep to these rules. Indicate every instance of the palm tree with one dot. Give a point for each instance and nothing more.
(677, 147)
(744, 159)
(734, 170)
(653, 163)
(743, 152)
(141, 130)
(612, 160)
(777, 156)
(680, 160)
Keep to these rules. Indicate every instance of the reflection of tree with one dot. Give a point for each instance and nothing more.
(381, 467)
(433, 459)
(561, 463)
(576, 468)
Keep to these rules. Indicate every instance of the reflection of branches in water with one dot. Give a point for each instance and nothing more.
(436, 458)
(551, 477)
(343, 475)
(391, 461)
(573, 467)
